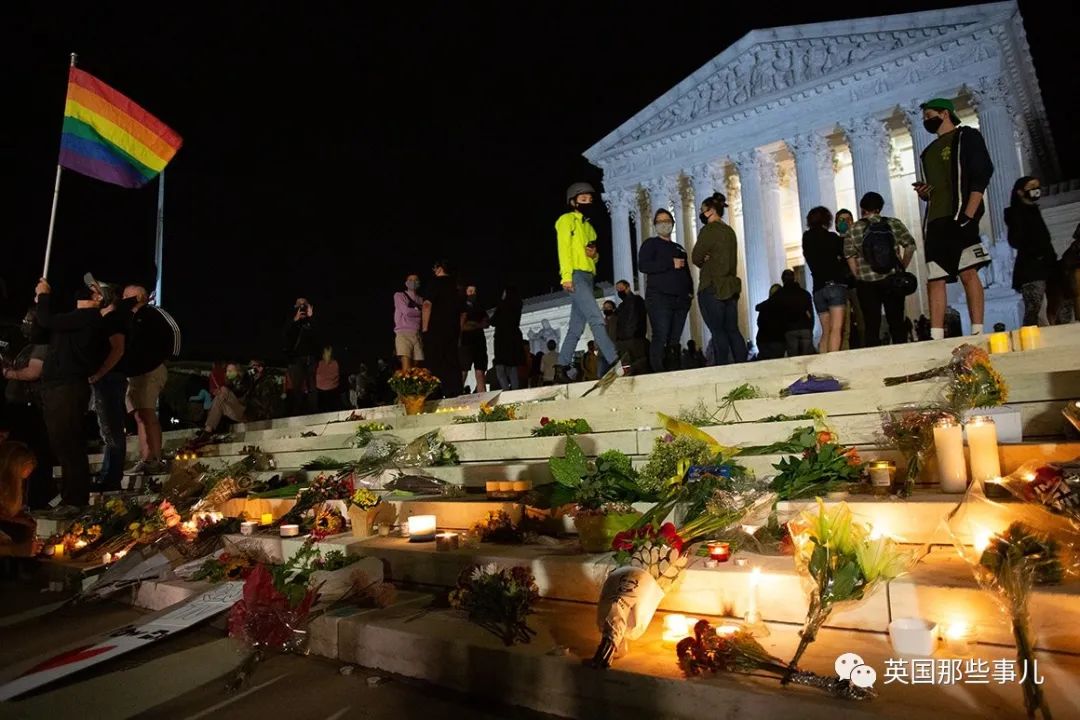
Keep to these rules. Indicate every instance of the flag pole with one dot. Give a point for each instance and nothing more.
(159, 240)
(55, 199)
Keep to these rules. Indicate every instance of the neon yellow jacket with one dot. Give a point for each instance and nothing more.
(574, 233)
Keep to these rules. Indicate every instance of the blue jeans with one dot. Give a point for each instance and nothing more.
(667, 314)
(584, 310)
(109, 405)
(722, 318)
(508, 377)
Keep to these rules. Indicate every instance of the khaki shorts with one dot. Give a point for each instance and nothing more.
(407, 344)
(144, 390)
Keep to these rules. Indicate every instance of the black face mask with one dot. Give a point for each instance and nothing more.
(704, 220)
(608, 311)
(622, 295)
(585, 209)
(932, 125)
(128, 303)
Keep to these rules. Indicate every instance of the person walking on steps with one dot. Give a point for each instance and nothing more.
(668, 291)
(956, 171)
(576, 239)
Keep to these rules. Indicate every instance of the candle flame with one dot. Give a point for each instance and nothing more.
(957, 631)
(981, 539)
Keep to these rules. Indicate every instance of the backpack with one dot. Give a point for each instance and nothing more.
(879, 247)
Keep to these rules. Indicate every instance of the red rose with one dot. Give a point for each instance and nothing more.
(685, 648)
(702, 629)
(671, 536)
(623, 541)
(544, 421)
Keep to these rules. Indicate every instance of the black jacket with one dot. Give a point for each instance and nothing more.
(630, 318)
(301, 340)
(796, 307)
(152, 338)
(770, 322)
(971, 169)
(509, 349)
(824, 253)
(77, 345)
(1028, 234)
(657, 260)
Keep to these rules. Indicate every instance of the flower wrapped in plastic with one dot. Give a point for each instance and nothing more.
(711, 652)
(910, 429)
(498, 599)
(842, 563)
(702, 501)
(972, 380)
(1014, 547)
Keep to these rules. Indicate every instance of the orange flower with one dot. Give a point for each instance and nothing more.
(825, 437)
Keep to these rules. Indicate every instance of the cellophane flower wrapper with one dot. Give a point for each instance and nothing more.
(840, 565)
(264, 620)
(1030, 541)
(909, 428)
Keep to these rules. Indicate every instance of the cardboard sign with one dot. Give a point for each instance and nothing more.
(202, 607)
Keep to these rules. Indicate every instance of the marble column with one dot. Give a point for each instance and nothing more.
(638, 201)
(870, 157)
(622, 246)
(996, 125)
(920, 138)
(762, 243)
(814, 172)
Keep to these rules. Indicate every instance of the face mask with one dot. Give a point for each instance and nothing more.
(585, 209)
(413, 285)
(470, 300)
(622, 295)
(664, 228)
(608, 311)
(128, 303)
(703, 218)
(842, 226)
(1034, 194)
(231, 375)
(932, 124)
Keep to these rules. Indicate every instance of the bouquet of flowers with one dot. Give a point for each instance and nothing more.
(910, 429)
(972, 380)
(415, 382)
(711, 652)
(842, 565)
(365, 499)
(328, 521)
(222, 485)
(823, 468)
(489, 413)
(366, 431)
(553, 428)
(498, 599)
(226, 566)
(156, 520)
(1037, 550)
(499, 527)
(323, 488)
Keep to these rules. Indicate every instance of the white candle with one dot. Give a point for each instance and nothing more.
(959, 637)
(881, 473)
(949, 445)
(290, 531)
(677, 627)
(421, 528)
(983, 443)
(446, 541)
(248, 527)
(752, 606)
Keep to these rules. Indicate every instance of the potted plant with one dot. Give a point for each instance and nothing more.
(601, 492)
(364, 507)
(413, 387)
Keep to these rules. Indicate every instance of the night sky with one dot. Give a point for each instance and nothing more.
(328, 152)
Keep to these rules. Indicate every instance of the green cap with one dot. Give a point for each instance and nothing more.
(939, 104)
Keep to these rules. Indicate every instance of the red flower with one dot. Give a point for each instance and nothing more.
(624, 541)
(685, 648)
(825, 437)
(544, 421)
(671, 536)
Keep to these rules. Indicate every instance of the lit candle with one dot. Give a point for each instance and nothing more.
(384, 529)
(983, 443)
(248, 527)
(959, 637)
(752, 615)
(521, 486)
(290, 531)
(58, 551)
(446, 541)
(676, 627)
(421, 528)
(80, 544)
(727, 630)
(492, 487)
(719, 551)
(106, 558)
(949, 445)
(1030, 338)
(999, 343)
(881, 473)
(506, 487)
(913, 636)
(119, 554)
(980, 539)
(266, 519)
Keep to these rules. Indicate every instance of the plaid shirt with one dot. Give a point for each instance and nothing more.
(853, 243)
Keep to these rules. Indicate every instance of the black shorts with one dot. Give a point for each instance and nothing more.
(952, 249)
(473, 352)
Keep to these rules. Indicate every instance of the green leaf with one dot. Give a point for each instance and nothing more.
(819, 559)
(569, 469)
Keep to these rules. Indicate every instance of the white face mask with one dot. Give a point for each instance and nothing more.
(664, 228)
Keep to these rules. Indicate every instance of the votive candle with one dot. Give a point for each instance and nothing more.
(959, 637)
(491, 486)
(1000, 343)
(1030, 337)
(949, 445)
(676, 627)
(290, 531)
(248, 527)
(719, 551)
(506, 486)
(983, 444)
(881, 473)
(446, 541)
(421, 528)
(520, 486)
(58, 551)
(266, 519)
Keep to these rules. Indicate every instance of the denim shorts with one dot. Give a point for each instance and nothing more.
(832, 295)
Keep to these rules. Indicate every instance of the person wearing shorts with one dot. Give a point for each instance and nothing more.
(956, 171)
(473, 350)
(408, 308)
(824, 253)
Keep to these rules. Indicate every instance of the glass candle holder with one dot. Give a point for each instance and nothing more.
(983, 447)
(949, 445)
(719, 551)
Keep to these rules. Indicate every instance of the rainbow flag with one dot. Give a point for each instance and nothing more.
(108, 137)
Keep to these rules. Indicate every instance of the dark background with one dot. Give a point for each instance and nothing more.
(328, 152)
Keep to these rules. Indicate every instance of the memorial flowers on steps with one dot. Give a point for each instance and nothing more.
(702, 501)
(841, 564)
(498, 599)
(412, 388)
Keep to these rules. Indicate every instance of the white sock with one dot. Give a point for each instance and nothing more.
(976, 329)
(937, 333)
